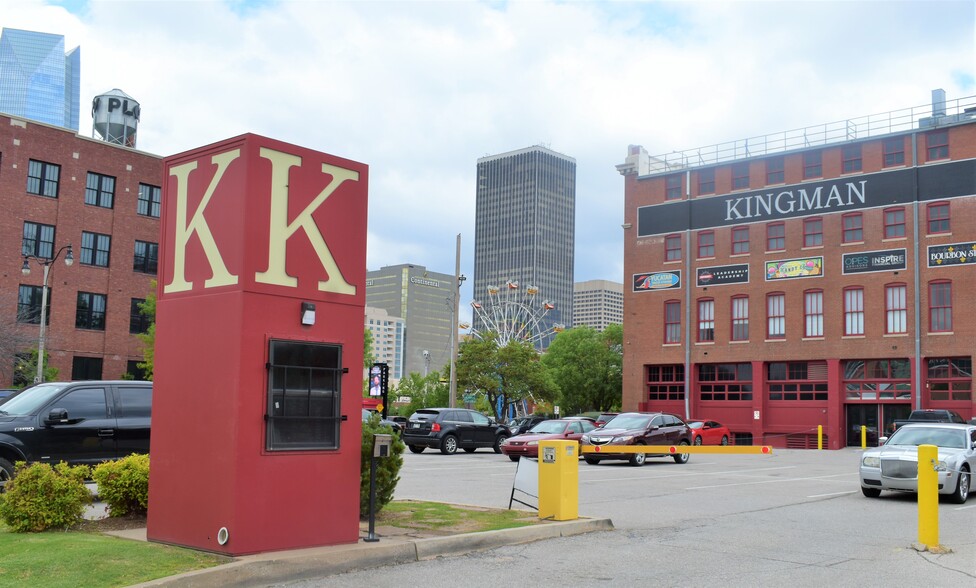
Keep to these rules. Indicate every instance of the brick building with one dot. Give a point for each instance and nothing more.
(59, 188)
(819, 277)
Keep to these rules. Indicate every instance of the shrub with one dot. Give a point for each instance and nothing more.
(124, 484)
(387, 468)
(39, 497)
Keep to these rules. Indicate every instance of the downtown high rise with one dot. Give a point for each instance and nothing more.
(525, 231)
(38, 80)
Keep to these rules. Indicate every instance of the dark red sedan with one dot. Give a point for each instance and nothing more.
(709, 432)
(527, 444)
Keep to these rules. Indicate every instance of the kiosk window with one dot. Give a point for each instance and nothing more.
(304, 394)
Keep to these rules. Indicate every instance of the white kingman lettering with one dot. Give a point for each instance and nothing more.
(198, 224)
(280, 230)
(789, 196)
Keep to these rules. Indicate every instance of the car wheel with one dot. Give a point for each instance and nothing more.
(498, 443)
(637, 459)
(513, 457)
(417, 448)
(725, 439)
(469, 449)
(591, 460)
(682, 457)
(6, 471)
(870, 492)
(962, 487)
(698, 440)
(449, 445)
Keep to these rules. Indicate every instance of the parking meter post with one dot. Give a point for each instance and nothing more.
(371, 536)
(928, 496)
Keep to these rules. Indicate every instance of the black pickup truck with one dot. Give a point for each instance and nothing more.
(85, 422)
(930, 415)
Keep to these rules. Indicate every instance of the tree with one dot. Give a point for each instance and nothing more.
(368, 357)
(512, 371)
(148, 309)
(424, 391)
(587, 367)
(25, 368)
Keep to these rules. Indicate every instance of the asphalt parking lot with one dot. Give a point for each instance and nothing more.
(740, 520)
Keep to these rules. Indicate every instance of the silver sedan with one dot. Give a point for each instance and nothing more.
(894, 465)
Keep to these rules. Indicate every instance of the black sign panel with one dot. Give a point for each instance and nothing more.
(952, 254)
(888, 188)
(874, 261)
(657, 281)
(721, 275)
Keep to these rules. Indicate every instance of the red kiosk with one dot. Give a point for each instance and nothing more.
(259, 349)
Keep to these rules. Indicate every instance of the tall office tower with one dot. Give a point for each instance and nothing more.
(525, 230)
(425, 301)
(38, 80)
(598, 303)
(387, 334)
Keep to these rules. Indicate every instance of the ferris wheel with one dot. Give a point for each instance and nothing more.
(515, 313)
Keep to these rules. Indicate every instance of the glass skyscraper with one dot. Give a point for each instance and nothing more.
(525, 230)
(38, 80)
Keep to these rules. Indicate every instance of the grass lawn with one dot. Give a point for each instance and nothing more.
(450, 518)
(69, 559)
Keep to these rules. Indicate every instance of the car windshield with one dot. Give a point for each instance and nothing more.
(628, 421)
(937, 436)
(424, 415)
(28, 401)
(695, 424)
(549, 427)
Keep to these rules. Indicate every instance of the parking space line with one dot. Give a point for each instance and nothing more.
(831, 494)
(821, 478)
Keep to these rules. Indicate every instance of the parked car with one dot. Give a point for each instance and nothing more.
(520, 425)
(638, 428)
(84, 422)
(930, 415)
(450, 429)
(709, 432)
(389, 422)
(604, 418)
(527, 444)
(894, 465)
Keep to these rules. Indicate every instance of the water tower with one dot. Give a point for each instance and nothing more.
(115, 118)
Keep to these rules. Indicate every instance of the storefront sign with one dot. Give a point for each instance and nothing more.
(808, 267)
(721, 275)
(874, 261)
(657, 281)
(952, 254)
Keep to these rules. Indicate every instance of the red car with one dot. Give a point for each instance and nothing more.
(709, 432)
(527, 444)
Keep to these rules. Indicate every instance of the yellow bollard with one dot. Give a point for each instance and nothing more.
(559, 480)
(864, 437)
(928, 496)
(819, 436)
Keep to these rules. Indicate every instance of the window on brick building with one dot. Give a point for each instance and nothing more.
(854, 311)
(950, 378)
(813, 313)
(894, 151)
(43, 178)
(776, 315)
(740, 176)
(672, 248)
(706, 181)
(937, 145)
(851, 158)
(706, 244)
(740, 240)
(896, 308)
(673, 190)
(775, 237)
(894, 223)
(665, 382)
(29, 305)
(812, 165)
(90, 312)
(86, 368)
(138, 322)
(740, 318)
(706, 320)
(853, 227)
(100, 190)
(797, 380)
(940, 306)
(146, 258)
(95, 249)
(38, 240)
(149, 201)
(938, 217)
(672, 321)
(813, 232)
(725, 381)
(774, 170)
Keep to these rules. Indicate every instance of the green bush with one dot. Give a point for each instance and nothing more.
(124, 484)
(39, 497)
(387, 468)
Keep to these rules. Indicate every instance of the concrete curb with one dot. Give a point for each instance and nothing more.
(319, 562)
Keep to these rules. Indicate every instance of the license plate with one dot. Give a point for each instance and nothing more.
(414, 425)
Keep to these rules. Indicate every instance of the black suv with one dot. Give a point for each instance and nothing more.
(77, 422)
(450, 428)
(637, 428)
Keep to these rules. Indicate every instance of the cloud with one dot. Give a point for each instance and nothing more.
(420, 90)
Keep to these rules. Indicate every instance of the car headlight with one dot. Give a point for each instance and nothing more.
(585, 439)
(870, 461)
(532, 443)
(623, 439)
(941, 466)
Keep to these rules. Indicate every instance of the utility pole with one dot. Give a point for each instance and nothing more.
(458, 279)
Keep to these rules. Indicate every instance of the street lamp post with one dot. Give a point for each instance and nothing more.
(46, 264)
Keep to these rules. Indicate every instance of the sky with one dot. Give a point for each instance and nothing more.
(419, 90)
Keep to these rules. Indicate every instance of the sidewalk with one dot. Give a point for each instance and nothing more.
(396, 546)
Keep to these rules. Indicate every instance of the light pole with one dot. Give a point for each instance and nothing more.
(69, 258)
(454, 326)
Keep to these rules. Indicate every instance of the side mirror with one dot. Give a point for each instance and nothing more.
(57, 415)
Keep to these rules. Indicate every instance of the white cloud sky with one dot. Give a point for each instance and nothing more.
(420, 90)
